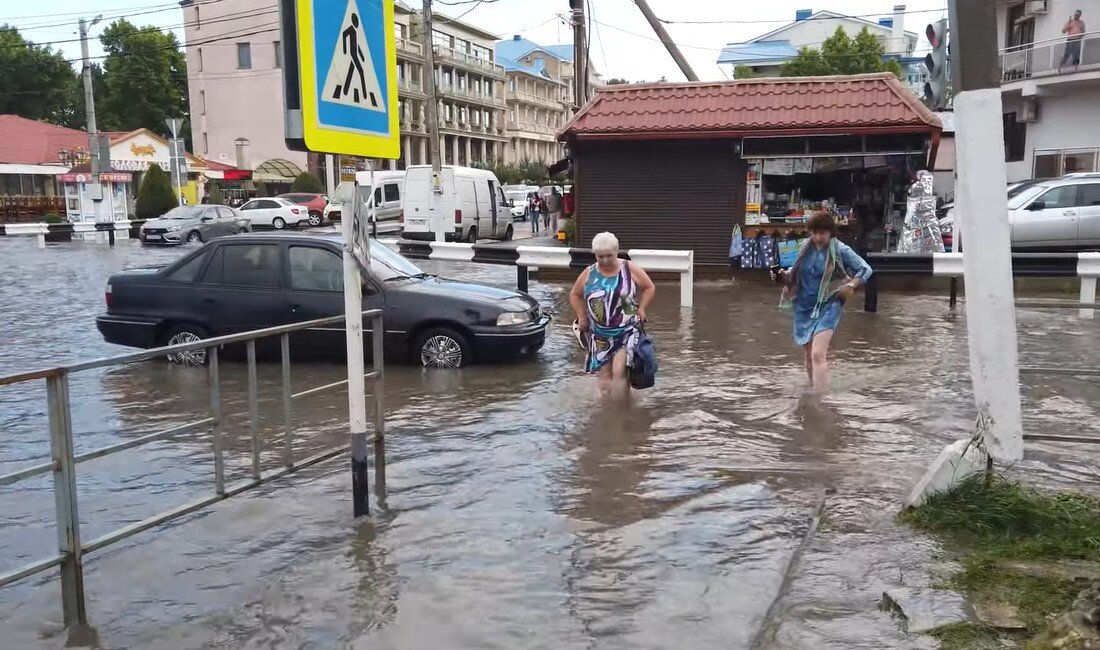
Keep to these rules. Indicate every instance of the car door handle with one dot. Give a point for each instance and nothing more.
(1069, 213)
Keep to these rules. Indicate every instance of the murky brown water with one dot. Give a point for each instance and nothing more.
(521, 511)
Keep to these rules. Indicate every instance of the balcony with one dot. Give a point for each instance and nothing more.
(1045, 58)
(531, 127)
(532, 98)
(405, 46)
(468, 61)
(409, 86)
(471, 95)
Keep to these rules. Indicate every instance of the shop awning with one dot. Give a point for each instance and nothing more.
(34, 170)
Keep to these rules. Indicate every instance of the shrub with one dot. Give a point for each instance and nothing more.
(54, 218)
(215, 195)
(307, 182)
(155, 196)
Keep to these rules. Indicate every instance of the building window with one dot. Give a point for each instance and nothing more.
(1053, 163)
(400, 31)
(440, 39)
(202, 101)
(244, 56)
(462, 45)
(198, 51)
(512, 85)
(483, 53)
(1015, 138)
(278, 54)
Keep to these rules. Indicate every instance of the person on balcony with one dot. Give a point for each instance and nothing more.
(1074, 31)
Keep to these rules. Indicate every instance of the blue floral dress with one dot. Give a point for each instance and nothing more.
(809, 318)
(611, 305)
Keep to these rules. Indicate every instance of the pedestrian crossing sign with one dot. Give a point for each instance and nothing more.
(347, 78)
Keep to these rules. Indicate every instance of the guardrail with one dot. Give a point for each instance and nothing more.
(526, 257)
(44, 231)
(71, 548)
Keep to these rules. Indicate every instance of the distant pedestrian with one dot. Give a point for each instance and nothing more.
(610, 299)
(553, 204)
(825, 274)
(1074, 30)
(533, 213)
(545, 214)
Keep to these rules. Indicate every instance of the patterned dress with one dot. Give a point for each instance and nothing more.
(612, 309)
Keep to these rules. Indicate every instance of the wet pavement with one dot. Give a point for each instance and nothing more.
(521, 511)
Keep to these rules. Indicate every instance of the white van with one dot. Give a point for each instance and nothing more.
(472, 204)
(387, 197)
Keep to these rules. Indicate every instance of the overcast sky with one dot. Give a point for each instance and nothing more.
(621, 43)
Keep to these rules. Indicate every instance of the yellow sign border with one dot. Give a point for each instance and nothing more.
(337, 141)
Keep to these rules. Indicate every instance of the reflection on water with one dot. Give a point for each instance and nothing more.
(521, 511)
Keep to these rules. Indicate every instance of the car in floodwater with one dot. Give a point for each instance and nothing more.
(263, 280)
(193, 223)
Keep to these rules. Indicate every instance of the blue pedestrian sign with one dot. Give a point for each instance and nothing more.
(341, 92)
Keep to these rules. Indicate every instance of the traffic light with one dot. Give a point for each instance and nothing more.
(935, 89)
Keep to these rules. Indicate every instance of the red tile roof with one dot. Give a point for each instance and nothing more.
(30, 142)
(752, 107)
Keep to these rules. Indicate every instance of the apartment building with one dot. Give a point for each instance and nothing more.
(1050, 66)
(539, 98)
(234, 69)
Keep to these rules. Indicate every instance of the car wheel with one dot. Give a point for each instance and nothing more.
(242, 231)
(508, 234)
(194, 237)
(279, 223)
(472, 237)
(315, 219)
(442, 347)
(187, 333)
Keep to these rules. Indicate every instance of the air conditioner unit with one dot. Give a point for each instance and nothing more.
(1036, 7)
(1029, 111)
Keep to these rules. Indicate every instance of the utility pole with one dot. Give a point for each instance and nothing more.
(95, 189)
(655, 23)
(435, 216)
(987, 269)
(580, 53)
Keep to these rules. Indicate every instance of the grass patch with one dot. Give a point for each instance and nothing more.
(986, 520)
(967, 636)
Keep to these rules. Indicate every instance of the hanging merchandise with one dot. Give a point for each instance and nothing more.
(749, 249)
(767, 252)
(788, 252)
(920, 231)
(735, 243)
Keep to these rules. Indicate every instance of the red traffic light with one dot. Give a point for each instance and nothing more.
(933, 37)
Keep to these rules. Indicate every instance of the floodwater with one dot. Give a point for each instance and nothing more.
(520, 510)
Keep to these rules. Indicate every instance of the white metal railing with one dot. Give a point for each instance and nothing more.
(1051, 57)
(63, 462)
(533, 98)
(468, 59)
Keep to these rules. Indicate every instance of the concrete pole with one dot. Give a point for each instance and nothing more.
(981, 203)
(434, 218)
(659, 29)
(89, 109)
(580, 53)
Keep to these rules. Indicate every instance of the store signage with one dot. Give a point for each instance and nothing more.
(141, 165)
(104, 177)
(143, 150)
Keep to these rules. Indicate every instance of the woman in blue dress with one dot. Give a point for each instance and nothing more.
(826, 274)
(610, 299)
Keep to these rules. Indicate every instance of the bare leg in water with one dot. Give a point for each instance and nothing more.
(819, 357)
(808, 350)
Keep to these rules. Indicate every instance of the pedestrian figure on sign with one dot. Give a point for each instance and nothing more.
(610, 299)
(826, 273)
(1074, 31)
(350, 43)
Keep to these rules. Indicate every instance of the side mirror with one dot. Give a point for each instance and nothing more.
(369, 288)
(1035, 206)
(207, 219)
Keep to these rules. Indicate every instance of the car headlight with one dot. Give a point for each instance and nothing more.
(174, 228)
(513, 318)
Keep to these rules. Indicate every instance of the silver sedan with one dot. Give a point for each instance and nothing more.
(194, 223)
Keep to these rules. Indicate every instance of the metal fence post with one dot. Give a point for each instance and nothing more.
(288, 421)
(378, 363)
(216, 415)
(253, 408)
(65, 499)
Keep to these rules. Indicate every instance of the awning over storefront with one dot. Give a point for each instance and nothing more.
(41, 170)
(83, 174)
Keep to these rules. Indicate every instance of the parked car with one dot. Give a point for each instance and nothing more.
(262, 280)
(389, 190)
(472, 203)
(313, 203)
(193, 223)
(1051, 213)
(517, 199)
(274, 212)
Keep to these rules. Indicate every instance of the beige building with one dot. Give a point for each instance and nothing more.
(234, 69)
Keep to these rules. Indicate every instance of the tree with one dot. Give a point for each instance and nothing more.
(36, 82)
(743, 72)
(307, 182)
(155, 196)
(614, 81)
(840, 54)
(215, 195)
(144, 78)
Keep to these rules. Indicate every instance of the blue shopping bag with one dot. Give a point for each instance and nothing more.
(788, 252)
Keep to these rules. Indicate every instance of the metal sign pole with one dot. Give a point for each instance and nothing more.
(357, 386)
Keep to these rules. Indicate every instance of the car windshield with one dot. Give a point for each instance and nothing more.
(184, 212)
(1016, 202)
(385, 264)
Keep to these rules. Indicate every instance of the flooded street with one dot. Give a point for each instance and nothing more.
(521, 511)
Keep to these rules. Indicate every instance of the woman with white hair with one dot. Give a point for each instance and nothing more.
(610, 299)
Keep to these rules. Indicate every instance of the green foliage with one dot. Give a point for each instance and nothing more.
(261, 188)
(144, 78)
(37, 82)
(54, 218)
(532, 172)
(967, 636)
(155, 196)
(743, 72)
(841, 55)
(215, 195)
(307, 182)
(615, 81)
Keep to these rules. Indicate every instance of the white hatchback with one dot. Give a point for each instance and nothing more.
(275, 212)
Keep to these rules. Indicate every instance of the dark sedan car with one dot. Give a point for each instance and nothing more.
(250, 282)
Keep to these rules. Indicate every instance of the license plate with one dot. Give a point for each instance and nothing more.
(150, 237)
(417, 222)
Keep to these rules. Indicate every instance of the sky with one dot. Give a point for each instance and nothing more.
(622, 44)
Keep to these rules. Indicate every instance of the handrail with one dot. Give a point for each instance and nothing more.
(63, 461)
(1058, 40)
